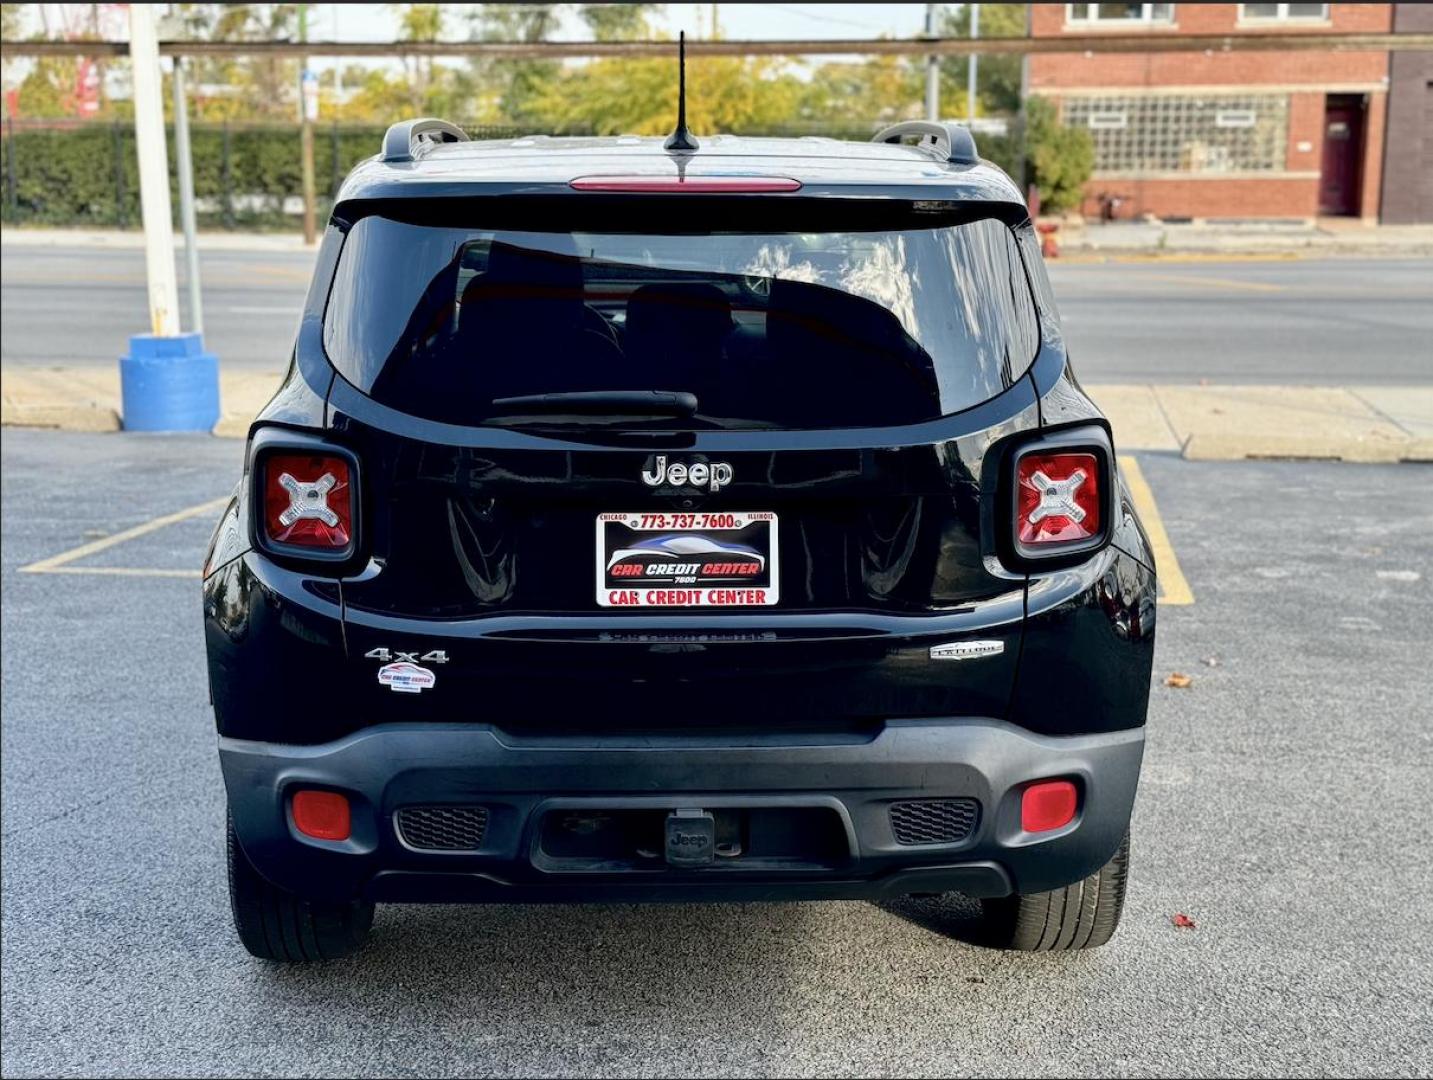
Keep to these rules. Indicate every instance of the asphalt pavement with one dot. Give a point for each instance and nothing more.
(1282, 809)
(1326, 321)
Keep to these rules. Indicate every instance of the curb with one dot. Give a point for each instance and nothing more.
(1299, 448)
(61, 417)
(134, 240)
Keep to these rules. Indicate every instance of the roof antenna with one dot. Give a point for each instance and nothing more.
(681, 138)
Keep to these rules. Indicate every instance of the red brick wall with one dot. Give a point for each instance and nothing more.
(1207, 198)
(1244, 196)
(1374, 117)
(1050, 71)
(1306, 125)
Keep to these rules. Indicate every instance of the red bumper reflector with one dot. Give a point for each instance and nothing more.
(322, 815)
(1050, 804)
(690, 185)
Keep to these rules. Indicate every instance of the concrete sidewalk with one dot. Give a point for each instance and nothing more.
(1077, 239)
(35, 237)
(1322, 238)
(1223, 423)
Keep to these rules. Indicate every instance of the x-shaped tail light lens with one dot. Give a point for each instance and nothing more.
(308, 500)
(1058, 499)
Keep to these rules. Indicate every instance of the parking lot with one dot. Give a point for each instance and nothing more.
(1281, 810)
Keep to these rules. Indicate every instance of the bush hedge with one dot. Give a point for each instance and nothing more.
(88, 175)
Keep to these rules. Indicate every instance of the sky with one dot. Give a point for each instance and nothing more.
(377, 22)
(374, 22)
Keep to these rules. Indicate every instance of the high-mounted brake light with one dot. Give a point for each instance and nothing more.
(1057, 498)
(689, 185)
(308, 500)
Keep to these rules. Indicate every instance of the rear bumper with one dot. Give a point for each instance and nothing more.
(521, 780)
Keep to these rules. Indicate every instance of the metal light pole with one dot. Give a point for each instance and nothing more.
(153, 171)
(932, 68)
(306, 132)
(185, 162)
(167, 381)
(974, 63)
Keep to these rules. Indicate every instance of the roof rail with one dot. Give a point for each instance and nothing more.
(959, 148)
(403, 139)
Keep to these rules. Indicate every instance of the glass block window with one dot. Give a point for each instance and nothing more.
(1283, 12)
(1184, 133)
(1119, 13)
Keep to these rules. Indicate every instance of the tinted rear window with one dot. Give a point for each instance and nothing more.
(811, 329)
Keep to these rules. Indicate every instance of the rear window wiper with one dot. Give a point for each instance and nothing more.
(599, 403)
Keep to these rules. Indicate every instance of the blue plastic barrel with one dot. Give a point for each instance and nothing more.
(169, 384)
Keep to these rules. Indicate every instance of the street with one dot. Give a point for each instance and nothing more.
(1281, 806)
(1276, 321)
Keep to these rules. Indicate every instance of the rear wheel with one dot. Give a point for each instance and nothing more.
(277, 925)
(1079, 916)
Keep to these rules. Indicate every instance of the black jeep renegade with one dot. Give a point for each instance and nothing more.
(700, 524)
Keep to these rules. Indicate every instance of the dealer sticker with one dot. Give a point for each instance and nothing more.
(671, 559)
(406, 678)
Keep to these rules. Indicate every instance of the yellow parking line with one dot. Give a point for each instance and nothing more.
(55, 562)
(114, 571)
(1214, 282)
(1173, 588)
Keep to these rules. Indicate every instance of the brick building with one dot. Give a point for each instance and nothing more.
(1223, 135)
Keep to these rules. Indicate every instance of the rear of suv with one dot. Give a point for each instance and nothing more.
(720, 524)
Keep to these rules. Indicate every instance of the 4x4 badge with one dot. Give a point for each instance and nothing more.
(714, 475)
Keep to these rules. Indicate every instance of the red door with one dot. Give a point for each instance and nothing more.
(1340, 179)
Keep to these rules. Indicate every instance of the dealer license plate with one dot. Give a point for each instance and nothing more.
(687, 560)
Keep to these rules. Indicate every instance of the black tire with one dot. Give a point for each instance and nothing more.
(277, 925)
(1079, 916)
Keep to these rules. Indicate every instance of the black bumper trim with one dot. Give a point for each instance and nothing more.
(389, 766)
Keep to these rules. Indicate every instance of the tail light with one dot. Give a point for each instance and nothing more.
(1060, 503)
(305, 495)
(1057, 498)
(308, 500)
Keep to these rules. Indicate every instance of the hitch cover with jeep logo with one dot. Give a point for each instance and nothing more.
(691, 838)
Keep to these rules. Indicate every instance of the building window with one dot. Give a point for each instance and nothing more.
(1163, 133)
(1283, 12)
(1118, 15)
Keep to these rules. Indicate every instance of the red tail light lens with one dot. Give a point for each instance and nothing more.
(1048, 805)
(308, 500)
(1057, 498)
(324, 815)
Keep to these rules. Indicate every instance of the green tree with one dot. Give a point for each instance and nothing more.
(1060, 158)
(639, 97)
(881, 90)
(509, 88)
(419, 22)
(998, 93)
(619, 22)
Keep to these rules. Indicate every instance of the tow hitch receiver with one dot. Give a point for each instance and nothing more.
(691, 838)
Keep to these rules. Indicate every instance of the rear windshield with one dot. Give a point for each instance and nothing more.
(772, 329)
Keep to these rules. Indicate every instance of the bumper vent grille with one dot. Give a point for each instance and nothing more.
(442, 828)
(934, 821)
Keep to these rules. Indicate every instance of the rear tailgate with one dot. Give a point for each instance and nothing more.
(491, 557)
